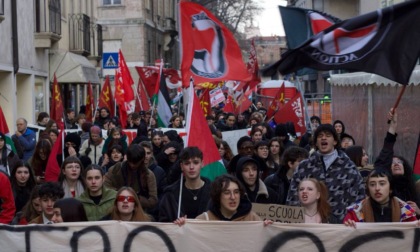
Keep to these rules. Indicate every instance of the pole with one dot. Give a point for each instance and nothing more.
(180, 195)
(398, 100)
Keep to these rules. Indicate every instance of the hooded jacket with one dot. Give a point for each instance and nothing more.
(243, 213)
(96, 212)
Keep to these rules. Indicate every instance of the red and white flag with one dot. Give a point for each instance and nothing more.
(209, 50)
(293, 112)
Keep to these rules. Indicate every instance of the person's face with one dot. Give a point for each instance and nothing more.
(230, 198)
(47, 205)
(275, 148)
(262, 151)
(222, 150)
(126, 202)
(339, 128)
(42, 155)
(36, 204)
(149, 155)
(379, 189)
(257, 136)
(22, 175)
(2, 144)
(247, 149)
(116, 135)
(44, 121)
(96, 138)
(116, 156)
(53, 137)
(165, 140)
(397, 167)
(308, 193)
(94, 181)
(210, 121)
(54, 126)
(314, 124)
(191, 168)
(230, 121)
(346, 142)
(111, 125)
(21, 125)
(365, 158)
(57, 218)
(71, 115)
(177, 122)
(104, 113)
(259, 104)
(249, 174)
(81, 121)
(137, 121)
(325, 142)
(72, 171)
(241, 117)
(173, 157)
(157, 140)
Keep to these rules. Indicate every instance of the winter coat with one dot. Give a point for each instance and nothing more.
(27, 141)
(243, 213)
(96, 212)
(7, 201)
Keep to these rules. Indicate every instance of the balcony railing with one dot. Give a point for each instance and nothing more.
(80, 31)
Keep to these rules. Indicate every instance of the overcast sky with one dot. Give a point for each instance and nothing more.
(269, 21)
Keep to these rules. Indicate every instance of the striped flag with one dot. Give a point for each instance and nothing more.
(416, 167)
(5, 130)
(161, 100)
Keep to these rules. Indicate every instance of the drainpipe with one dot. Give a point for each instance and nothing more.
(15, 44)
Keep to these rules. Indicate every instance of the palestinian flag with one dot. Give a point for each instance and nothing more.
(199, 134)
(162, 101)
(5, 130)
(416, 167)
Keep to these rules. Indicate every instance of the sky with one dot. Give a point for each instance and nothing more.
(269, 20)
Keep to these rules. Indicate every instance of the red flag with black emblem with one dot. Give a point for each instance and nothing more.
(57, 109)
(209, 50)
(105, 98)
(277, 102)
(382, 42)
(292, 112)
(90, 107)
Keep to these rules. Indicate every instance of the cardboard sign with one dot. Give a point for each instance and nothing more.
(279, 213)
(216, 96)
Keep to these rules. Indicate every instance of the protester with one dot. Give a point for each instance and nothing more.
(116, 136)
(346, 141)
(70, 120)
(25, 138)
(256, 134)
(68, 210)
(23, 182)
(313, 196)
(127, 207)
(157, 141)
(114, 155)
(71, 177)
(245, 148)
(80, 120)
(8, 159)
(360, 158)
(134, 173)
(42, 119)
(53, 134)
(276, 150)
(306, 140)
(49, 193)
(379, 205)
(229, 125)
(93, 147)
(339, 128)
(104, 116)
(331, 166)
(194, 193)
(175, 122)
(39, 160)
(281, 132)
(97, 199)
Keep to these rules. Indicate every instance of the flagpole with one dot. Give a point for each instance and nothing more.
(398, 101)
(138, 97)
(180, 195)
(96, 110)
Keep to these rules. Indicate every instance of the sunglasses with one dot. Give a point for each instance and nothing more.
(128, 198)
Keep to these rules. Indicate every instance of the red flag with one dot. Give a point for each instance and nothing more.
(242, 104)
(209, 50)
(57, 109)
(119, 99)
(199, 134)
(5, 130)
(416, 167)
(125, 78)
(52, 170)
(229, 105)
(142, 101)
(205, 101)
(277, 102)
(90, 107)
(293, 112)
(105, 99)
(252, 67)
(149, 76)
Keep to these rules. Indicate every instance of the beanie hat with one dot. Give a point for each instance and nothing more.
(73, 138)
(281, 130)
(327, 128)
(95, 130)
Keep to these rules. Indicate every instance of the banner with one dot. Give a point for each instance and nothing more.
(209, 236)
(279, 213)
(216, 96)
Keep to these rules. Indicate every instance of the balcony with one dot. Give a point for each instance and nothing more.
(47, 23)
(80, 32)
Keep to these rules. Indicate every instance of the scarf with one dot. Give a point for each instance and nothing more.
(368, 211)
(79, 189)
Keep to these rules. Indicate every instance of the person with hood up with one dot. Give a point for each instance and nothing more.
(92, 148)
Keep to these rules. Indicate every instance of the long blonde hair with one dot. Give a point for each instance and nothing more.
(138, 212)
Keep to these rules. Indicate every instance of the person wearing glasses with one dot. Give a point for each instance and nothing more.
(127, 207)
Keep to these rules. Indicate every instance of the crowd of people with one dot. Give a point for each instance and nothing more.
(156, 178)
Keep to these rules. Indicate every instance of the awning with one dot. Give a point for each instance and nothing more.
(72, 68)
(360, 78)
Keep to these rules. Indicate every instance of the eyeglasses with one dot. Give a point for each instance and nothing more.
(122, 198)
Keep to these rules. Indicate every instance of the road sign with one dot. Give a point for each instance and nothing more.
(110, 60)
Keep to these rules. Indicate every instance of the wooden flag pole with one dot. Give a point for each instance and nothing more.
(398, 100)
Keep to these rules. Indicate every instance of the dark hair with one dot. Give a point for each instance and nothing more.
(243, 140)
(135, 153)
(72, 210)
(30, 184)
(292, 154)
(56, 132)
(50, 124)
(380, 173)
(190, 152)
(326, 128)
(70, 160)
(28, 210)
(117, 147)
(355, 153)
(315, 118)
(261, 143)
(156, 133)
(342, 124)
(39, 165)
(281, 150)
(51, 190)
(92, 167)
(41, 116)
(254, 130)
(220, 184)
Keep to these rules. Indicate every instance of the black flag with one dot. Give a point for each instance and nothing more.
(383, 42)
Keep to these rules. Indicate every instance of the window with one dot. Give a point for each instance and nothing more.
(112, 2)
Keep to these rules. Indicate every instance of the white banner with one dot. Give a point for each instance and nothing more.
(209, 236)
(216, 96)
